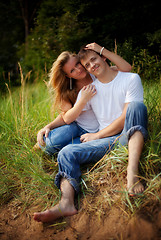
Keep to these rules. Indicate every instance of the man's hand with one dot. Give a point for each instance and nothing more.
(89, 137)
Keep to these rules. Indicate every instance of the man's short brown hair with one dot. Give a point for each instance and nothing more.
(83, 53)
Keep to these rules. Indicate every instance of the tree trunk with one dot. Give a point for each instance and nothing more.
(24, 10)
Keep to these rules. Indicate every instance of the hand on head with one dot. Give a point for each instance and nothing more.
(94, 46)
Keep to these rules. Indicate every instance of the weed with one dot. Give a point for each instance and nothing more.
(29, 176)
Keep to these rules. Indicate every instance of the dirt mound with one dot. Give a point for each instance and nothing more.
(16, 224)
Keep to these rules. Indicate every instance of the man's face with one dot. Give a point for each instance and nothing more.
(94, 64)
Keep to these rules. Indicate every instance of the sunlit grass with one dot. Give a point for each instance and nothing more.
(107, 179)
(29, 176)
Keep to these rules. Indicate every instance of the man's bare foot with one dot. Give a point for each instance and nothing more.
(134, 186)
(60, 210)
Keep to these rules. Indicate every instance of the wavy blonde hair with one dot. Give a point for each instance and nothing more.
(60, 83)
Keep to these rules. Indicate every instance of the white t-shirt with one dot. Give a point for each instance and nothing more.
(87, 119)
(109, 101)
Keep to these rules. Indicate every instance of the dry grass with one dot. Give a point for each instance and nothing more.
(28, 176)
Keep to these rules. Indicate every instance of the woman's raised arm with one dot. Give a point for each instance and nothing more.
(121, 64)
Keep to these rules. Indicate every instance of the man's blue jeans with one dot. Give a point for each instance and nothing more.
(72, 156)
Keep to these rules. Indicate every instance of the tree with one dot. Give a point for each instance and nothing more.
(28, 10)
(35, 32)
(11, 37)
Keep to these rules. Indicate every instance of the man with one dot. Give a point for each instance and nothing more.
(121, 115)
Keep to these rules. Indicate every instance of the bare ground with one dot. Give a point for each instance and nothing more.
(112, 224)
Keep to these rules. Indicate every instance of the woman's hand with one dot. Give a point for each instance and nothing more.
(72, 114)
(44, 131)
(94, 46)
(88, 92)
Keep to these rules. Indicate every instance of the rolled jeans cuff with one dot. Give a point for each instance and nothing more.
(139, 128)
(71, 180)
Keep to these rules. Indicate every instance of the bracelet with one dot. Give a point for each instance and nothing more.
(101, 51)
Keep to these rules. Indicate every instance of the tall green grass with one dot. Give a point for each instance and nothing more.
(22, 171)
(29, 176)
(107, 179)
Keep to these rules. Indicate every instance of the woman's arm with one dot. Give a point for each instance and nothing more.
(87, 93)
(58, 122)
(68, 114)
(45, 131)
(121, 64)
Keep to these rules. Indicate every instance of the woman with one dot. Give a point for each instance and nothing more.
(67, 78)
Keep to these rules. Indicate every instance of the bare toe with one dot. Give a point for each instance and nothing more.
(54, 213)
(134, 186)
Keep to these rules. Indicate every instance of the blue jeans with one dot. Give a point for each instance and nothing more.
(72, 156)
(62, 136)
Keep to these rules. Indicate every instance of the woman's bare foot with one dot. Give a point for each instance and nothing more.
(36, 147)
(63, 209)
(134, 186)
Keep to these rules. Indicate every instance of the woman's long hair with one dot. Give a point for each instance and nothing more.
(60, 83)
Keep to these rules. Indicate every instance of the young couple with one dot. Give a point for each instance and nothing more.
(109, 110)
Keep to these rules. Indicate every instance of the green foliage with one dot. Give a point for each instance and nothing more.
(11, 34)
(55, 26)
(149, 67)
(42, 44)
(22, 114)
(67, 25)
(155, 40)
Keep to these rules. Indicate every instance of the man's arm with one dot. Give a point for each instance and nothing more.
(114, 128)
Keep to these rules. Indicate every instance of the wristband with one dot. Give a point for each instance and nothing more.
(101, 51)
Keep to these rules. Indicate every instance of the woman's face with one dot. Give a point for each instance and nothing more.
(74, 69)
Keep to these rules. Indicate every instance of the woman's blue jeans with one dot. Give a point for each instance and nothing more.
(61, 137)
(72, 156)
